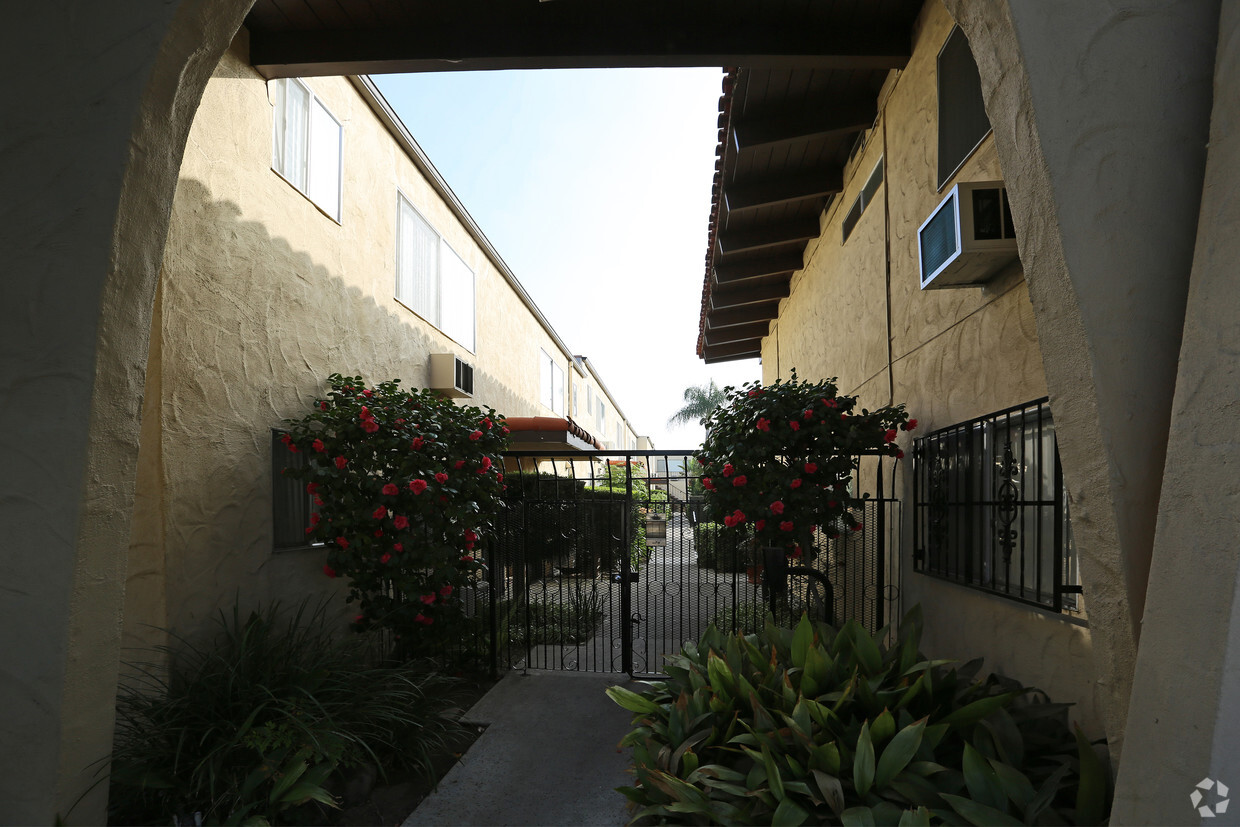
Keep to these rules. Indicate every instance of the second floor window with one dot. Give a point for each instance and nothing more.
(551, 377)
(990, 511)
(431, 279)
(306, 144)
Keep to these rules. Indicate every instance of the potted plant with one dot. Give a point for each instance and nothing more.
(778, 461)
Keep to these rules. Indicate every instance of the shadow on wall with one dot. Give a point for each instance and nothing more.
(246, 331)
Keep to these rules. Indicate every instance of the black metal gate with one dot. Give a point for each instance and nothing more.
(605, 562)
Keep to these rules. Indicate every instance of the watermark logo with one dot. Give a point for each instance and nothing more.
(1219, 797)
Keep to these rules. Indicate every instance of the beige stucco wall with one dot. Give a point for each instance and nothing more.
(954, 354)
(262, 296)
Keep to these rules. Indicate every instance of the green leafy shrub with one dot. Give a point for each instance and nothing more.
(820, 726)
(407, 483)
(264, 720)
(551, 622)
(778, 460)
(721, 550)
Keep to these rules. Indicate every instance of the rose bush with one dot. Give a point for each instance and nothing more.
(406, 485)
(778, 460)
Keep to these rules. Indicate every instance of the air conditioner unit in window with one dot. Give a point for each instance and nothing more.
(968, 238)
(451, 376)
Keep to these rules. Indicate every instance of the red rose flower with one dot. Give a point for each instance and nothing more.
(891, 435)
(342, 542)
(785, 526)
(811, 467)
(764, 424)
(378, 532)
(910, 425)
(380, 513)
(312, 487)
(796, 552)
(796, 483)
(476, 435)
(417, 443)
(739, 481)
(400, 422)
(777, 507)
(759, 525)
(899, 455)
(486, 423)
(428, 599)
(401, 522)
(807, 414)
(739, 516)
(397, 547)
(425, 621)
(470, 536)
(386, 558)
(460, 463)
(794, 425)
(417, 486)
(499, 477)
(728, 470)
(444, 591)
(323, 405)
(390, 490)
(729, 521)
(368, 393)
(328, 570)
(319, 446)
(287, 439)
(314, 518)
(318, 501)
(468, 558)
(370, 426)
(708, 484)
(441, 478)
(486, 463)
(504, 430)
(341, 462)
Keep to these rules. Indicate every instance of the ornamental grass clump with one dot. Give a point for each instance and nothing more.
(815, 725)
(406, 486)
(778, 460)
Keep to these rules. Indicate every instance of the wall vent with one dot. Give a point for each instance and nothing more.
(451, 376)
(968, 238)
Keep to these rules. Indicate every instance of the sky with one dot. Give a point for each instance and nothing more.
(594, 185)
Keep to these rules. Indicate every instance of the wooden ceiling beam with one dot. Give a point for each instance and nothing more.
(806, 123)
(739, 333)
(802, 186)
(742, 315)
(742, 294)
(770, 265)
(733, 351)
(581, 35)
(798, 230)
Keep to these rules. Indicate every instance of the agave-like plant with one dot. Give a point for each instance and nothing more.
(824, 726)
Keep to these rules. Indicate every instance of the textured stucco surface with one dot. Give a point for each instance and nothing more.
(955, 354)
(1100, 114)
(1185, 713)
(92, 140)
(262, 296)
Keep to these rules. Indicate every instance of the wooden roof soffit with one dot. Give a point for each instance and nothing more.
(737, 333)
(742, 294)
(812, 122)
(742, 315)
(769, 265)
(803, 186)
(771, 235)
(453, 36)
(732, 351)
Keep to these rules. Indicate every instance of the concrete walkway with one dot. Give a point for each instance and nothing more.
(549, 755)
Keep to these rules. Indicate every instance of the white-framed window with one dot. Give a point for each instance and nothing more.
(576, 393)
(620, 443)
(431, 279)
(307, 144)
(551, 375)
(602, 413)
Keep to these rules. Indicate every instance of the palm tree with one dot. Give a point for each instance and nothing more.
(700, 400)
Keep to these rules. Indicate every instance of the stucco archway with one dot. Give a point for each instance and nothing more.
(1103, 148)
(95, 144)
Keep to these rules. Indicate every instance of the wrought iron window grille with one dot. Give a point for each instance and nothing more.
(989, 510)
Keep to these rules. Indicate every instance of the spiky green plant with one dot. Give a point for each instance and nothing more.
(255, 723)
(823, 726)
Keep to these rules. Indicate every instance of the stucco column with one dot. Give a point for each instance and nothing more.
(1101, 114)
(98, 104)
(1184, 721)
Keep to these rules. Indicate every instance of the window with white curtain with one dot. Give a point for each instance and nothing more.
(306, 144)
(551, 376)
(432, 280)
